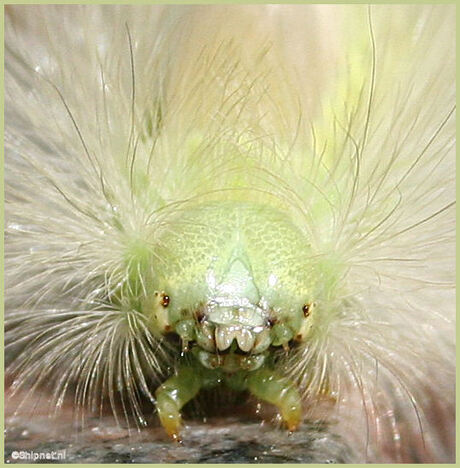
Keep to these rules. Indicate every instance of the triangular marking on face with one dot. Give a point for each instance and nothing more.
(238, 280)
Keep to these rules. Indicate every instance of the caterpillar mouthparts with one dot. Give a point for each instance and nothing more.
(255, 198)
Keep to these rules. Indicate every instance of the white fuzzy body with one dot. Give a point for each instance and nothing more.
(341, 116)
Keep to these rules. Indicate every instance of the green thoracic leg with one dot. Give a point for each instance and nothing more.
(263, 383)
(279, 391)
(177, 391)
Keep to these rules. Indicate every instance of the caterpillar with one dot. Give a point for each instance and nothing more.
(259, 198)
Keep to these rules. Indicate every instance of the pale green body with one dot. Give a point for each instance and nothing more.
(236, 278)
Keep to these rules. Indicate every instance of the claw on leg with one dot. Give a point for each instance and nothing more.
(170, 417)
(279, 391)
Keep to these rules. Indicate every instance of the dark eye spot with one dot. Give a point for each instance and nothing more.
(306, 309)
(271, 322)
(165, 300)
(200, 317)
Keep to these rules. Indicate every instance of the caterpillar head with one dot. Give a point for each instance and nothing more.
(236, 280)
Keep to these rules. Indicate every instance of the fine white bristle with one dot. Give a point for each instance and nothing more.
(342, 116)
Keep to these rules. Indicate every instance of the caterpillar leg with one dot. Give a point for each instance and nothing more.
(177, 391)
(172, 395)
(279, 391)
